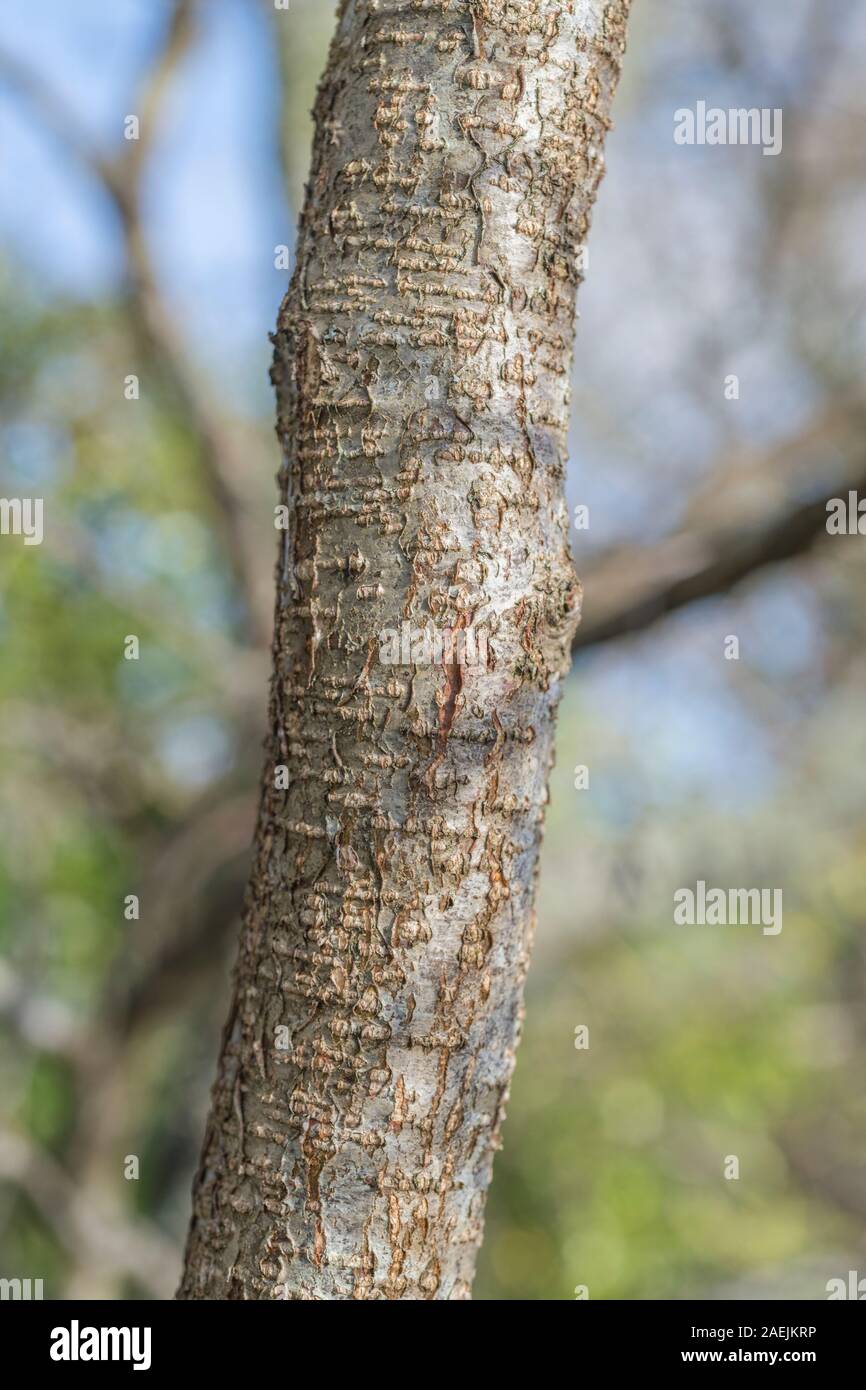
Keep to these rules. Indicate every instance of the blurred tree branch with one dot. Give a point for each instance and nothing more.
(105, 1245)
(631, 588)
(150, 318)
(196, 883)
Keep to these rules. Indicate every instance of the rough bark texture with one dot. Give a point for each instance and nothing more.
(422, 372)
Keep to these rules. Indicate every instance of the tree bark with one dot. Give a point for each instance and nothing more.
(422, 361)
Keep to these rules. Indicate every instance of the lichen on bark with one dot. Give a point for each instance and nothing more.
(422, 361)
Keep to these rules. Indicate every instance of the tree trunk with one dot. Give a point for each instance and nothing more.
(422, 362)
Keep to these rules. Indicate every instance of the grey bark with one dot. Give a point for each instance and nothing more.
(422, 361)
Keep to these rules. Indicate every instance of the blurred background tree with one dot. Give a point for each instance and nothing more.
(158, 258)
